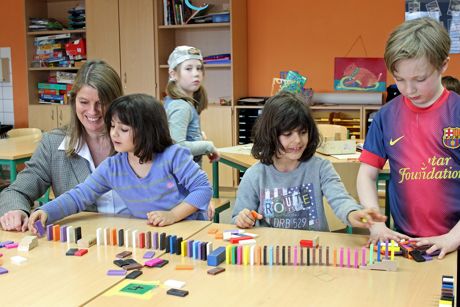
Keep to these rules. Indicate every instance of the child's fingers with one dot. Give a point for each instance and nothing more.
(156, 220)
(162, 222)
(442, 254)
(376, 216)
(244, 219)
(43, 218)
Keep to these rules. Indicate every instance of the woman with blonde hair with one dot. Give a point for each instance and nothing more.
(66, 156)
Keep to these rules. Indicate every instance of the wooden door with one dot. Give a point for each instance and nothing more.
(137, 46)
(102, 31)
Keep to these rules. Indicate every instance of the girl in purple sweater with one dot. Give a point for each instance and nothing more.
(156, 179)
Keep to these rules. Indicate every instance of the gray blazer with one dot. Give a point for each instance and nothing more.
(47, 167)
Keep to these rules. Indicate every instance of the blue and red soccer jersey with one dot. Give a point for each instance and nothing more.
(423, 149)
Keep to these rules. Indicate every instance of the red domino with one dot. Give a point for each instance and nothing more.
(236, 240)
(141, 240)
(306, 243)
(81, 252)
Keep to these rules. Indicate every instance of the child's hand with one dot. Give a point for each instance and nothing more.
(365, 218)
(37, 215)
(214, 156)
(380, 232)
(14, 220)
(247, 219)
(161, 218)
(211, 211)
(446, 243)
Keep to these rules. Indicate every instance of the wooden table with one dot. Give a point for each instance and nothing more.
(14, 151)
(49, 277)
(414, 284)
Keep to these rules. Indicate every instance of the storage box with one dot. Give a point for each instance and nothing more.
(337, 147)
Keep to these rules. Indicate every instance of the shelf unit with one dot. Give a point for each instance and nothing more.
(47, 116)
(227, 81)
(354, 117)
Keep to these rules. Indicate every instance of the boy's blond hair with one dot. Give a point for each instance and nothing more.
(422, 37)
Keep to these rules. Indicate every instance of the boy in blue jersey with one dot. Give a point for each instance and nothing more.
(418, 132)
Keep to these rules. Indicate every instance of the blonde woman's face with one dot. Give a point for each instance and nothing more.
(89, 110)
(189, 76)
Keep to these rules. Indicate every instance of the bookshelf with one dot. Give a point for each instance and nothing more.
(227, 81)
(47, 116)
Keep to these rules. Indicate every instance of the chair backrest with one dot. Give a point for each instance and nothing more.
(334, 132)
(14, 133)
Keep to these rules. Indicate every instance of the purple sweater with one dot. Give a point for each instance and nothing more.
(173, 178)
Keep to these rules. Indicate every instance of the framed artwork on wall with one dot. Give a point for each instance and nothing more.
(360, 74)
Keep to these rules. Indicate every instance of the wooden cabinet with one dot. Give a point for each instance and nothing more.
(103, 35)
(48, 116)
(121, 32)
(228, 81)
(216, 122)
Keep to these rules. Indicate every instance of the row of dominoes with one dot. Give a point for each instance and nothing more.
(447, 292)
(64, 233)
(298, 255)
(152, 240)
(122, 237)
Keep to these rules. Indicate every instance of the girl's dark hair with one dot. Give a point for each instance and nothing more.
(147, 118)
(282, 113)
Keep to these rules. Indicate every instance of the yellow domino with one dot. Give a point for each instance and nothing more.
(228, 254)
(183, 246)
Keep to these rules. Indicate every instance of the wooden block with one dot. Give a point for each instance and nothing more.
(212, 230)
(113, 236)
(56, 233)
(70, 234)
(28, 243)
(86, 242)
(219, 235)
(183, 267)
(142, 240)
(133, 266)
(81, 252)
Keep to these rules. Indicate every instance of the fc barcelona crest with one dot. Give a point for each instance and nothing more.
(451, 137)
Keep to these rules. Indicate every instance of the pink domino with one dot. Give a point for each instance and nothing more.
(12, 245)
(153, 262)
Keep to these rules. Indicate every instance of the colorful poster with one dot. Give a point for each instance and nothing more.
(360, 74)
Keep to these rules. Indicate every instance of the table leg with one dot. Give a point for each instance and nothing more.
(215, 179)
(13, 171)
